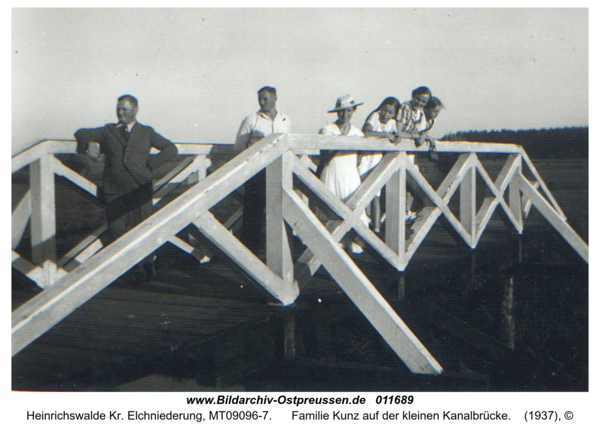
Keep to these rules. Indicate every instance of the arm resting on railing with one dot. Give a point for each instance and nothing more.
(85, 137)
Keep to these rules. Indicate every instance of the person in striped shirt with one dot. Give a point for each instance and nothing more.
(410, 122)
(411, 118)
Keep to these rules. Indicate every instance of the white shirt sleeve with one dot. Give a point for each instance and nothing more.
(327, 130)
(244, 133)
(373, 120)
(285, 125)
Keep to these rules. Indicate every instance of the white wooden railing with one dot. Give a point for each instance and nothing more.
(87, 269)
(38, 204)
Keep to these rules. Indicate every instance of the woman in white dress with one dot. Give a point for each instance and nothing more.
(381, 123)
(338, 169)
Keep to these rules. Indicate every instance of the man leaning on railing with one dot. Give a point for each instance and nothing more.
(127, 181)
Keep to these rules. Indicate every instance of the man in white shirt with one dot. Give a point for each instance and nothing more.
(254, 128)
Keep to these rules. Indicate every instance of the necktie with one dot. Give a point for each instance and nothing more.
(125, 133)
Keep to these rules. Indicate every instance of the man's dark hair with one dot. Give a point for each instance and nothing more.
(421, 91)
(268, 89)
(434, 102)
(130, 98)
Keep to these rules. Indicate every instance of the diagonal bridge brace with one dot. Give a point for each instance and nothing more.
(358, 287)
(555, 219)
(440, 198)
(49, 307)
(226, 241)
(350, 212)
(507, 174)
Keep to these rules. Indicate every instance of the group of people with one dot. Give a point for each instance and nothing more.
(130, 167)
(341, 171)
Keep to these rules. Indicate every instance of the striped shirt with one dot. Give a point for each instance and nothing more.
(411, 119)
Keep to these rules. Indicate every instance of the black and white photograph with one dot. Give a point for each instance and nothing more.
(291, 200)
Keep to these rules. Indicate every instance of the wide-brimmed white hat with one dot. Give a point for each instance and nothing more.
(345, 102)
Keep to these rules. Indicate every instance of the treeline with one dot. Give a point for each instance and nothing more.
(567, 142)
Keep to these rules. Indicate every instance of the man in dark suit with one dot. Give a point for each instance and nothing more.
(127, 181)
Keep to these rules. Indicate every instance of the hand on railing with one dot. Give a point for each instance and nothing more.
(256, 136)
(93, 150)
(415, 136)
(432, 144)
(433, 154)
(424, 137)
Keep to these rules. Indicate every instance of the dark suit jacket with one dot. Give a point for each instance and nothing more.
(129, 165)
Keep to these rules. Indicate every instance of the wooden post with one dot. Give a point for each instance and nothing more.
(514, 196)
(474, 280)
(468, 208)
(289, 335)
(395, 225)
(20, 218)
(43, 217)
(279, 256)
(401, 287)
(202, 163)
(202, 166)
(507, 317)
(358, 288)
(306, 161)
(526, 203)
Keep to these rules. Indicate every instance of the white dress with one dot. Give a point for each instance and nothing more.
(341, 173)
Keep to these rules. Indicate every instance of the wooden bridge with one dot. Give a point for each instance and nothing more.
(186, 197)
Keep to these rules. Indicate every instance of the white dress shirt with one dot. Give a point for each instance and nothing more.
(257, 126)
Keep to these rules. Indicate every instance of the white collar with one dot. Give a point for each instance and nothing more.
(264, 115)
(129, 126)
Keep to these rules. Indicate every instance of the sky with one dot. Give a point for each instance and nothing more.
(196, 71)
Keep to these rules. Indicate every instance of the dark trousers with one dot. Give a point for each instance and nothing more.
(254, 211)
(124, 211)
